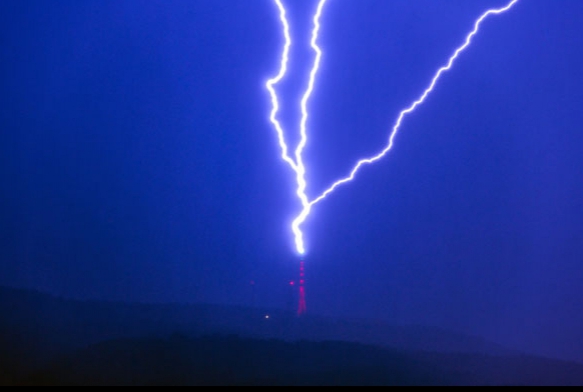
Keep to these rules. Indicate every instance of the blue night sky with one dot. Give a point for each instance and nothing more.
(137, 162)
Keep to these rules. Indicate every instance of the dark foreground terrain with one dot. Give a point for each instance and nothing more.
(235, 361)
(49, 341)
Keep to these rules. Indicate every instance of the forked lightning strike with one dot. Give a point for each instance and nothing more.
(301, 172)
(271, 86)
(297, 165)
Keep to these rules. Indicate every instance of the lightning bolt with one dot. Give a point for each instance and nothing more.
(301, 172)
(271, 83)
(298, 165)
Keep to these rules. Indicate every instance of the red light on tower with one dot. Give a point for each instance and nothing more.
(302, 308)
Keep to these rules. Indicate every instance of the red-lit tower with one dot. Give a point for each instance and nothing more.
(302, 308)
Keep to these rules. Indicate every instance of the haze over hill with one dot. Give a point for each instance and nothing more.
(47, 340)
(54, 322)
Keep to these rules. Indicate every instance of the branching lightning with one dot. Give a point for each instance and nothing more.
(273, 82)
(301, 172)
(297, 164)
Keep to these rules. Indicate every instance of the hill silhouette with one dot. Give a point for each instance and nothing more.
(50, 341)
(179, 360)
(51, 324)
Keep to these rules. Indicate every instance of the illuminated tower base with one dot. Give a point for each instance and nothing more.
(302, 308)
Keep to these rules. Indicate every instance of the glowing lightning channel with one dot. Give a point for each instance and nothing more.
(301, 172)
(273, 82)
(297, 165)
(415, 104)
(308, 207)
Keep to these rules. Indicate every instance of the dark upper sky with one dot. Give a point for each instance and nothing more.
(137, 162)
